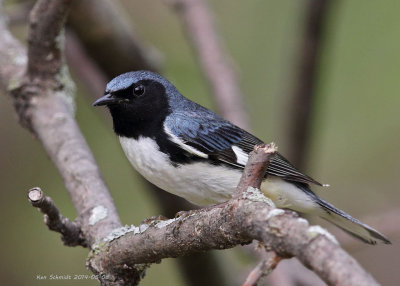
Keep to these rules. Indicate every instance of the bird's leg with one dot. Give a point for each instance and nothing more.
(154, 219)
(184, 214)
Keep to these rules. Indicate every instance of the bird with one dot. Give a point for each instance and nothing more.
(190, 151)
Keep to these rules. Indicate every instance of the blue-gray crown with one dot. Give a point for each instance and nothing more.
(125, 80)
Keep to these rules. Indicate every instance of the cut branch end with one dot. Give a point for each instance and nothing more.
(70, 231)
(35, 196)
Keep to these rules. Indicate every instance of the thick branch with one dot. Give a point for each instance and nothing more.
(71, 233)
(43, 99)
(217, 68)
(12, 58)
(48, 112)
(239, 221)
(46, 22)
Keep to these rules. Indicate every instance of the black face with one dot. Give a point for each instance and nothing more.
(138, 109)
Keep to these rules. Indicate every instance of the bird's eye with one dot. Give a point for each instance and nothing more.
(138, 90)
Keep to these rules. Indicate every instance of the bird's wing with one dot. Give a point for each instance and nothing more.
(206, 135)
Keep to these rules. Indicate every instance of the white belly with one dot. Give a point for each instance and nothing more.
(197, 182)
(201, 184)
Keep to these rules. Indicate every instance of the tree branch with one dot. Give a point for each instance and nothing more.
(262, 269)
(301, 104)
(291, 272)
(13, 58)
(197, 269)
(256, 167)
(303, 96)
(105, 31)
(84, 66)
(44, 104)
(46, 22)
(240, 220)
(217, 68)
(42, 97)
(43, 100)
(71, 233)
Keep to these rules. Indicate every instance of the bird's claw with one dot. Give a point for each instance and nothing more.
(181, 216)
(153, 219)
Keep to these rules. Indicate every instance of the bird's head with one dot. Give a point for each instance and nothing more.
(136, 89)
(138, 98)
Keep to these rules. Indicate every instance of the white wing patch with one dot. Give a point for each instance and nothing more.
(241, 156)
(182, 144)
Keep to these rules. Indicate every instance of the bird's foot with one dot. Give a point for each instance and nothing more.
(180, 217)
(184, 214)
(154, 219)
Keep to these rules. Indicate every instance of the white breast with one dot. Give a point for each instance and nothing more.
(199, 183)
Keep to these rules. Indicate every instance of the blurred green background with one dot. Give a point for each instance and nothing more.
(355, 134)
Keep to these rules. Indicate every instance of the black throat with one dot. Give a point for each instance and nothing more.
(147, 121)
(140, 116)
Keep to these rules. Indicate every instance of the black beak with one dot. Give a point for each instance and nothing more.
(107, 99)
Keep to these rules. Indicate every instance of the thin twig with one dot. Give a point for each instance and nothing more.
(86, 69)
(104, 29)
(71, 233)
(291, 272)
(262, 269)
(303, 98)
(217, 68)
(256, 167)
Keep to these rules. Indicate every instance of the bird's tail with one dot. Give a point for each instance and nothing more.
(350, 225)
(345, 221)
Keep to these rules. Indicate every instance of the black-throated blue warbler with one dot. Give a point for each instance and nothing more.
(192, 152)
